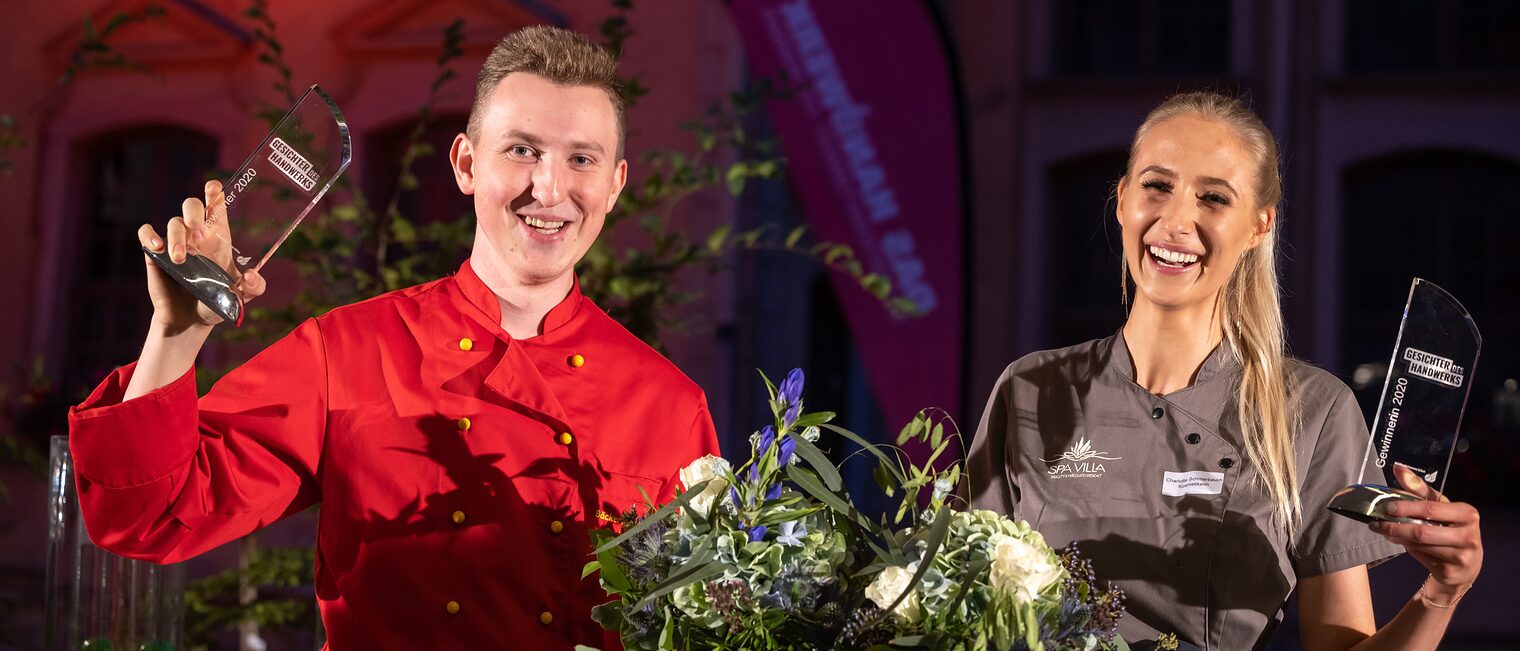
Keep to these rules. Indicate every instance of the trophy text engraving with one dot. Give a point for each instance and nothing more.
(1386, 442)
(237, 186)
(1433, 367)
(292, 164)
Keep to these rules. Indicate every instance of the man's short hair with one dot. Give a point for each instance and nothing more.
(559, 55)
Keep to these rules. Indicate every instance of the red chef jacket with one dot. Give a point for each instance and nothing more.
(458, 468)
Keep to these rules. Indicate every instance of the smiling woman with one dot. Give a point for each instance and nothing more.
(1219, 451)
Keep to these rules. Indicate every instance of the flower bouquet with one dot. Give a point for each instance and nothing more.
(774, 555)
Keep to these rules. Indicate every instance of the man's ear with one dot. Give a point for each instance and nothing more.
(619, 180)
(462, 159)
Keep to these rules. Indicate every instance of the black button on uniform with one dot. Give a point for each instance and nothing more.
(1157, 413)
(1194, 438)
(1226, 462)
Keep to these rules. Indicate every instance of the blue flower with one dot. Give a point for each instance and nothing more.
(767, 439)
(756, 533)
(790, 394)
(784, 455)
(792, 532)
(773, 493)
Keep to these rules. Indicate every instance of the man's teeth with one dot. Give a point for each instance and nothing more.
(1174, 257)
(543, 225)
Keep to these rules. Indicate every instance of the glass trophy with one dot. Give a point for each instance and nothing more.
(265, 200)
(1418, 417)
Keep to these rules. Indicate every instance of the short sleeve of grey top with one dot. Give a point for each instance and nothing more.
(1158, 493)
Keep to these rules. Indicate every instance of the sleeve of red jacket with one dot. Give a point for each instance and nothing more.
(701, 439)
(164, 477)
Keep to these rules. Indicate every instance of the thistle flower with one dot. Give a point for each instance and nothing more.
(644, 555)
(794, 589)
(864, 628)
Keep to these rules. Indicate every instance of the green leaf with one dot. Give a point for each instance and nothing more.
(695, 569)
(911, 429)
(614, 578)
(669, 508)
(813, 419)
(403, 231)
(716, 238)
(809, 482)
(770, 387)
(735, 178)
(883, 479)
(836, 252)
(589, 568)
(935, 537)
(938, 435)
(819, 461)
(873, 449)
(877, 284)
(969, 575)
(778, 516)
(795, 236)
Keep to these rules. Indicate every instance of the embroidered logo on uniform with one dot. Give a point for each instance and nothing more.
(1080, 460)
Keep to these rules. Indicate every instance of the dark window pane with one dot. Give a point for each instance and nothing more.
(1432, 36)
(1150, 38)
(437, 197)
(131, 177)
(1082, 260)
(1446, 217)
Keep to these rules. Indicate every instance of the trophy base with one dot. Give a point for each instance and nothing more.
(207, 282)
(1369, 503)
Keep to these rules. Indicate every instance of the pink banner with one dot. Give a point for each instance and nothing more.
(872, 148)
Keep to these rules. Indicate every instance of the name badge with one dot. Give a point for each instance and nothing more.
(1197, 482)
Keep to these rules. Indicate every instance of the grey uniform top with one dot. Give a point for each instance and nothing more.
(1158, 493)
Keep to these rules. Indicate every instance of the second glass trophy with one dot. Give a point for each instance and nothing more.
(1420, 412)
(265, 199)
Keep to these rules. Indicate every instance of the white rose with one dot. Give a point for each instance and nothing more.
(889, 585)
(706, 468)
(1020, 569)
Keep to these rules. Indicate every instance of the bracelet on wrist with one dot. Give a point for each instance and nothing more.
(1427, 601)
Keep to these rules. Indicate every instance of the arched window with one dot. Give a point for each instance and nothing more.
(1083, 250)
(128, 178)
(1448, 217)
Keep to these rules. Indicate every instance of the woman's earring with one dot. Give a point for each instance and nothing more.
(1124, 281)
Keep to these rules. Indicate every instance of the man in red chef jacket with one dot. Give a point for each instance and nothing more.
(461, 435)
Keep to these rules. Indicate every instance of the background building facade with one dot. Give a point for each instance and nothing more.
(1398, 121)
